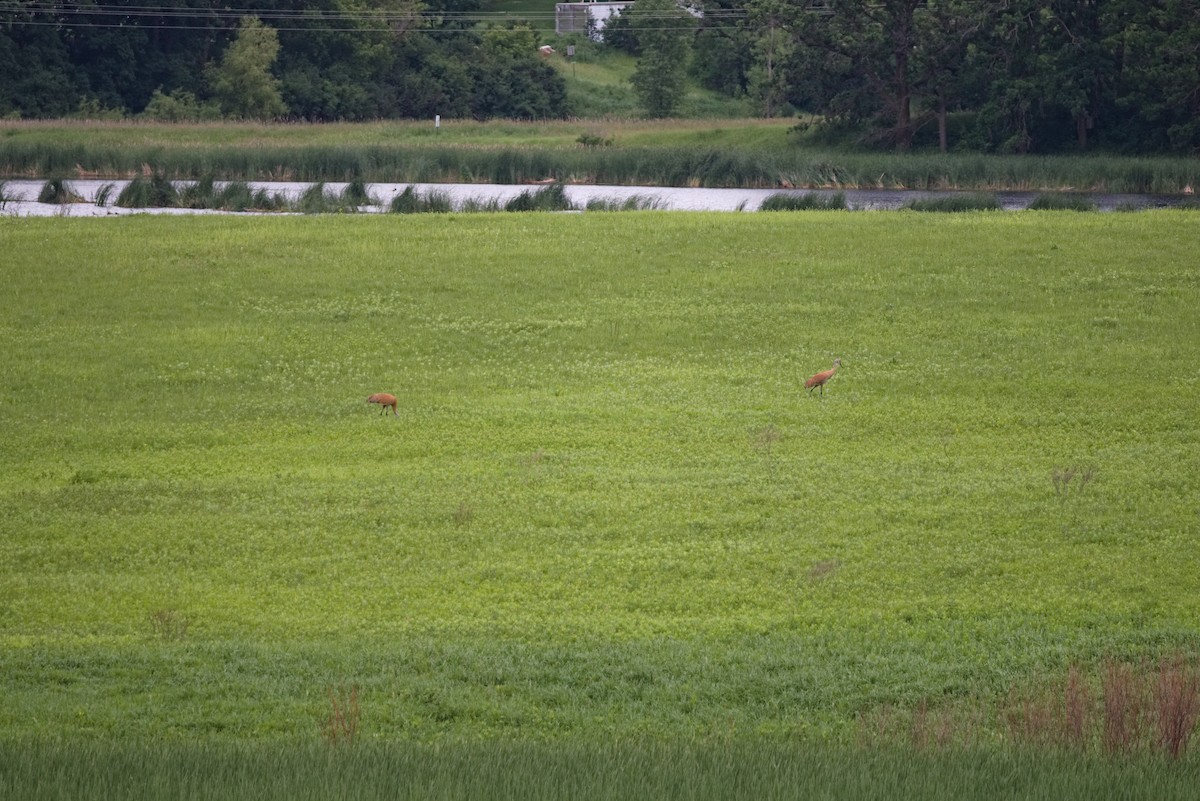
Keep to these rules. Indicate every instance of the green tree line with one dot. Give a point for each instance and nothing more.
(1014, 76)
(309, 60)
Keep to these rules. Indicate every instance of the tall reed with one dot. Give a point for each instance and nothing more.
(794, 166)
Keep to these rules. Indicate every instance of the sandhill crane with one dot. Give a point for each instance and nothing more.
(384, 400)
(819, 379)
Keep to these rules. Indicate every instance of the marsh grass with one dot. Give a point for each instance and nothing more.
(975, 201)
(153, 191)
(58, 190)
(678, 153)
(410, 201)
(104, 194)
(804, 202)
(631, 203)
(318, 199)
(1062, 202)
(549, 198)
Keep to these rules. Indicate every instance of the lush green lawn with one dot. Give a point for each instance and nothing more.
(607, 509)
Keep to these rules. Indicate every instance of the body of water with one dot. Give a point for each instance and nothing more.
(20, 197)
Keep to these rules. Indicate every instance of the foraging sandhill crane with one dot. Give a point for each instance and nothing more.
(384, 400)
(819, 379)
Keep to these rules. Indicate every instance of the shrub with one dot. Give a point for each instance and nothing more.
(179, 105)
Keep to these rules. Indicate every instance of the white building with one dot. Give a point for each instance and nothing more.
(587, 18)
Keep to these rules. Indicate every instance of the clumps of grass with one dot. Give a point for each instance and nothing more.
(631, 203)
(970, 201)
(5, 198)
(552, 197)
(809, 201)
(1071, 481)
(823, 570)
(356, 194)
(463, 515)
(104, 194)
(319, 200)
(766, 437)
(1062, 201)
(412, 202)
(340, 726)
(475, 204)
(58, 190)
(169, 624)
(146, 192)
(234, 196)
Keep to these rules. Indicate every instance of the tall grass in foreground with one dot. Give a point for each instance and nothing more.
(524, 771)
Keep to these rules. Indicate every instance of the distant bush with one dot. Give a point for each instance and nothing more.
(807, 202)
(594, 140)
(178, 106)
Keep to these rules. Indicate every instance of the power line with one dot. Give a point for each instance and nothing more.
(290, 20)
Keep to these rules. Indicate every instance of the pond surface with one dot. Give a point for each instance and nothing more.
(22, 197)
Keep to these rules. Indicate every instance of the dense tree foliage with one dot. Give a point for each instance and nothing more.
(663, 32)
(1018, 76)
(334, 60)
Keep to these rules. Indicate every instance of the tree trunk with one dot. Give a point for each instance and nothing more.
(943, 143)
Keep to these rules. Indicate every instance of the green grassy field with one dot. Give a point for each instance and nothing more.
(607, 512)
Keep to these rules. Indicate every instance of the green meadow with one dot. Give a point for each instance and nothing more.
(609, 537)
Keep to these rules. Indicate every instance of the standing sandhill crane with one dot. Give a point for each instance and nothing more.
(819, 379)
(384, 400)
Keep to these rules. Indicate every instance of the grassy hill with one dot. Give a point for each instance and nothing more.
(598, 78)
